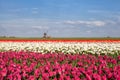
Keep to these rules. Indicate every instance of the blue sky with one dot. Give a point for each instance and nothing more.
(60, 18)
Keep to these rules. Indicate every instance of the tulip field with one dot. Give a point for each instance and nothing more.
(60, 60)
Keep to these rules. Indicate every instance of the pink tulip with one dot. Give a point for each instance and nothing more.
(96, 76)
(31, 78)
(25, 74)
(109, 75)
(10, 77)
(104, 78)
(37, 73)
(19, 77)
(3, 72)
(31, 65)
(88, 77)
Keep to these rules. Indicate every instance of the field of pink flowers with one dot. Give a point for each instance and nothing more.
(58, 66)
(30, 65)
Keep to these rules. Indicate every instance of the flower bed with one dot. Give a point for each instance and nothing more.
(60, 60)
(64, 47)
(58, 66)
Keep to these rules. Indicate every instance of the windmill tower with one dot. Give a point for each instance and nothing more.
(45, 35)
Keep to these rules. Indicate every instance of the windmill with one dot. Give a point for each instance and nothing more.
(45, 34)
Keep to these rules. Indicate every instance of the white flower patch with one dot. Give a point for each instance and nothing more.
(64, 47)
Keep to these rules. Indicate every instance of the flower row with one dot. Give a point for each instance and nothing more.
(31, 66)
(64, 47)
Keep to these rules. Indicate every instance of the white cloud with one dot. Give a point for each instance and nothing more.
(88, 31)
(98, 11)
(24, 27)
(111, 22)
(108, 12)
(34, 12)
(36, 27)
(14, 10)
(86, 23)
(40, 27)
(2, 15)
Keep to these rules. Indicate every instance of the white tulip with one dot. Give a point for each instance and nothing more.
(64, 47)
